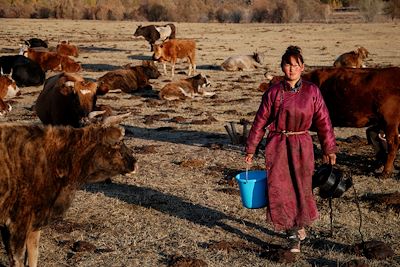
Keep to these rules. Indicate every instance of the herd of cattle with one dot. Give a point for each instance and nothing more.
(355, 96)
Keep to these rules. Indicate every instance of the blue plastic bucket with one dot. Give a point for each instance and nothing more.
(253, 188)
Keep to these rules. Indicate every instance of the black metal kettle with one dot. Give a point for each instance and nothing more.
(330, 181)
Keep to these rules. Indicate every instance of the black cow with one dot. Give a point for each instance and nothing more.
(36, 42)
(154, 33)
(25, 71)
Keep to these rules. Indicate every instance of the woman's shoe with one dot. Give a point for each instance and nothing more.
(294, 242)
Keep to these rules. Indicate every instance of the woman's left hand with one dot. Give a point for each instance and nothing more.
(330, 158)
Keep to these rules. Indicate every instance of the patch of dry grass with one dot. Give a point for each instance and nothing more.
(183, 207)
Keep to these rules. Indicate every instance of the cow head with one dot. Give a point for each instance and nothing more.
(110, 155)
(8, 87)
(85, 91)
(139, 31)
(258, 57)
(151, 69)
(158, 51)
(362, 52)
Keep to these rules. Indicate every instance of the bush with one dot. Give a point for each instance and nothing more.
(260, 15)
(392, 9)
(369, 9)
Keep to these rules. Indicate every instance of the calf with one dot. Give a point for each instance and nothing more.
(171, 50)
(46, 60)
(65, 99)
(129, 79)
(243, 62)
(353, 59)
(186, 88)
(41, 168)
(25, 71)
(8, 89)
(67, 49)
(154, 33)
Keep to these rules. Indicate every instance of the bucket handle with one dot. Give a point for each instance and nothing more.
(247, 173)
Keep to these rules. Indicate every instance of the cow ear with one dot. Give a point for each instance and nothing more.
(113, 135)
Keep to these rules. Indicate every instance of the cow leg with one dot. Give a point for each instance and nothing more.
(32, 246)
(165, 68)
(4, 108)
(392, 138)
(173, 67)
(16, 247)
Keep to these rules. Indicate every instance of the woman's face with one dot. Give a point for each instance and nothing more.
(293, 70)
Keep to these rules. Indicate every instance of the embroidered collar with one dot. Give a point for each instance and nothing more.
(296, 87)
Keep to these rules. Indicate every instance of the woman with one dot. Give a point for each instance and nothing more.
(287, 110)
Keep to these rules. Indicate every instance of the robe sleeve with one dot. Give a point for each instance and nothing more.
(323, 125)
(258, 128)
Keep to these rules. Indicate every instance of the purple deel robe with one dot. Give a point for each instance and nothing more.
(289, 159)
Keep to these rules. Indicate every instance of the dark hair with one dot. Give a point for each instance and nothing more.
(292, 51)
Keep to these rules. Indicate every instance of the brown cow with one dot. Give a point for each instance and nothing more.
(65, 99)
(353, 59)
(41, 167)
(360, 98)
(186, 88)
(47, 60)
(52, 60)
(8, 89)
(172, 49)
(129, 79)
(67, 49)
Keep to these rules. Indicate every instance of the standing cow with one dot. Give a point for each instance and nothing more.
(65, 99)
(40, 170)
(129, 79)
(154, 33)
(174, 49)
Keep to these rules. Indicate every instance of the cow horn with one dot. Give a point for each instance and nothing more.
(116, 119)
(96, 113)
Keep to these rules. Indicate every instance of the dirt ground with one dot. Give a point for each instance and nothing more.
(183, 207)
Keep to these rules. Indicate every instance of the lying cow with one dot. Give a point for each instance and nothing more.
(361, 98)
(66, 99)
(47, 60)
(186, 88)
(174, 49)
(67, 49)
(353, 59)
(129, 79)
(243, 62)
(41, 167)
(69, 65)
(25, 71)
(8, 89)
(154, 33)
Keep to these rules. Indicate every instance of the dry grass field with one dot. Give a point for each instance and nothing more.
(183, 207)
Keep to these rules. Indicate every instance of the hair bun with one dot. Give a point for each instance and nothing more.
(293, 49)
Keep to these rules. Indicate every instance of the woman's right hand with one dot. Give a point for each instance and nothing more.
(249, 158)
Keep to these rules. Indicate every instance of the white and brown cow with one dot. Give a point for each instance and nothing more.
(352, 59)
(155, 33)
(243, 62)
(41, 167)
(186, 88)
(8, 89)
(174, 49)
(65, 99)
